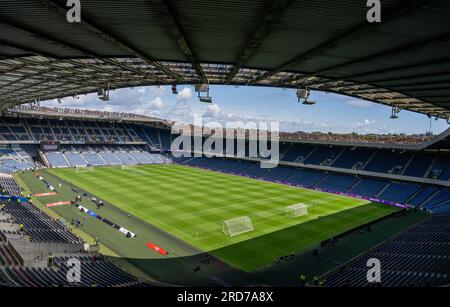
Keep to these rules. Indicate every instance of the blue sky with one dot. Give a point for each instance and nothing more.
(332, 113)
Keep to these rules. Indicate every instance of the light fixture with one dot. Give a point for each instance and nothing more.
(203, 88)
(394, 112)
(205, 99)
(174, 89)
(103, 93)
(303, 95)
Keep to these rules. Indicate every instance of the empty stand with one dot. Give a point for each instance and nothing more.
(419, 257)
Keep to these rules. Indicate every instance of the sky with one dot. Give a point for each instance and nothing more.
(332, 113)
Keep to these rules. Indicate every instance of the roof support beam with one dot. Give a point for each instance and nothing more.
(445, 37)
(417, 76)
(362, 28)
(104, 34)
(398, 68)
(174, 27)
(446, 86)
(51, 56)
(264, 26)
(32, 51)
(51, 40)
(428, 97)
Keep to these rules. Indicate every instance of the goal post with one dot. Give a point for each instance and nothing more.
(237, 226)
(296, 210)
(84, 169)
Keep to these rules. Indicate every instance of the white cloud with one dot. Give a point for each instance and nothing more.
(360, 104)
(158, 90)
(212, 110)
(157, 104)
(185, 94)
(366, 122)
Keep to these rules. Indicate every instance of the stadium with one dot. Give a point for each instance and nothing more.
(107, 198)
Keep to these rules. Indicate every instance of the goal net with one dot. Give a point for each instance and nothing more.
(296, 210)
(84, 169)
(237, 226)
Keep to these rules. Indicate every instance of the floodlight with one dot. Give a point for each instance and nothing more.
(309, 102)
(103, 93)
(303, 95)
(394, 112)
(203, 88)
(105, 97)
(206, 99)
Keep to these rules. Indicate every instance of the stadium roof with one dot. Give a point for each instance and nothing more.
(326, 45)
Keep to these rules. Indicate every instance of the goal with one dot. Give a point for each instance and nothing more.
(84, 169)
(237, 226)
(296, 210)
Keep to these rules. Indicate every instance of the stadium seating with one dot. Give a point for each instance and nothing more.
(297, 152)
(76, 159)
(73, 156)
(14, 159)
(352, 156)
(141, 157)
(57, 159)
(322, 154)
(368, 187)
(419, 165)
(399, 192)
(165, 139)
(442, 164)
(424, 195)
(282, 174)
(385, 161)
(8, 183)
(110, 158)
(307, 178)
(94, 159)
(38, 225)
(42, 229)
(126, 158)
(153, 136)
(338, 183)
(417, 258)
(441, 198)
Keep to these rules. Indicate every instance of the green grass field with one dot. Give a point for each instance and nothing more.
(192, 204)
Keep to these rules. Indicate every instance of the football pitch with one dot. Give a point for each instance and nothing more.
(192, 204)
